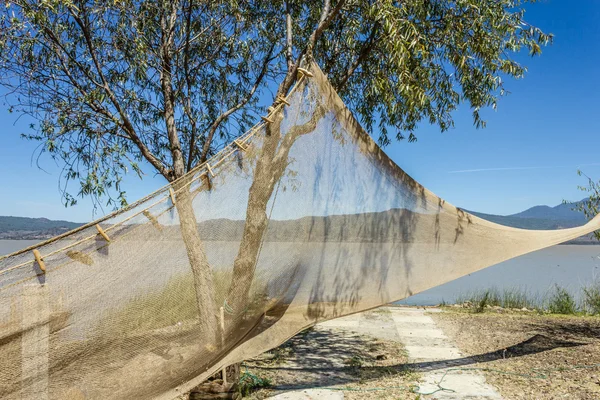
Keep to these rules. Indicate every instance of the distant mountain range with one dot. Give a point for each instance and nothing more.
(562, 212)
(33, 228)
(538, 217)
(544, 217)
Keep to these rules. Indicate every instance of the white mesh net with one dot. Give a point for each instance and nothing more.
(305, 219)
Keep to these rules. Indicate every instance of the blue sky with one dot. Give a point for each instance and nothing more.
(528, 154)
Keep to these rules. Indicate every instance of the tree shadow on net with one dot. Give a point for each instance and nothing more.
(356, 253)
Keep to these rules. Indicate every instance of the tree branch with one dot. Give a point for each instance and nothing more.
(364, 52)
(326, 19)
(226, 114)
(188, 101)
(289, 44)
(166, 51)
(296, 131)
(127, 125)
(147, 154)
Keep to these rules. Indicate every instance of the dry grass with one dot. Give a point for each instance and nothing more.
(528, 355)
(173, 304)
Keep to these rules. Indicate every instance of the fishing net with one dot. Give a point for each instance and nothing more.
(302, 219)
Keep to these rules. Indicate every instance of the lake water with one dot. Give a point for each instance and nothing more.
(570, 266)
(10, 246)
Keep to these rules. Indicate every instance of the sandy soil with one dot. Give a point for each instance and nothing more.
(530, 356)
(363, 366)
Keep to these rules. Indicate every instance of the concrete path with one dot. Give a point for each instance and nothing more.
(430, 352)
(437, 358)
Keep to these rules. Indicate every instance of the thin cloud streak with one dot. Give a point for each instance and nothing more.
(463, 171)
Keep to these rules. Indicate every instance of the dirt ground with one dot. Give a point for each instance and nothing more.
(362, 366)
(526, 355)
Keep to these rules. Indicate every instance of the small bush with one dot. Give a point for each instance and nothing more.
(250, 383)
(507, 298)
(591, 298)
(483, 302)
(561, 302)
(281, 353)
(518, 298)
(355, 361)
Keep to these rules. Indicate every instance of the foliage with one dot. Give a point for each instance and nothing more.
(483, 303)
(561, 302)
(356, 361)
(419, 60)
(591, 298)
(591, 205)
(249, 383)
(515, 298)
(557, 301)
(115, 83)
(118, 86)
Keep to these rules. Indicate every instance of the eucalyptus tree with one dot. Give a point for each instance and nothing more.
(590, 207)
(119, 85)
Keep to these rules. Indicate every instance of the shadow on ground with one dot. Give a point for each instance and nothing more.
(569, 329)
(320, 358)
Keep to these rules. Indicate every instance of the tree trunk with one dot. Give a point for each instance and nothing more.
(264, 180)
(211, 332)
(218, 388)
(201, 270)
(270, 168)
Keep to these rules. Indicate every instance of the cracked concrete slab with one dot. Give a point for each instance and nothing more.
(425, 342)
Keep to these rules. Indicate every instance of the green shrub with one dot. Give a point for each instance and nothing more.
(483, 302)
(591, 298)
(518, 298)
(250, 383)
(355, 361)
(561, 302)
(507, 298)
